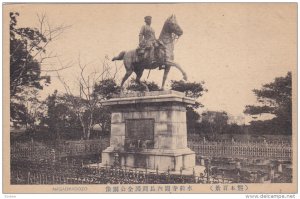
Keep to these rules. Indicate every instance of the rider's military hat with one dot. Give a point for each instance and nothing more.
(147, 17)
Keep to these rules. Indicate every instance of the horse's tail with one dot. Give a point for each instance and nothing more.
(119, 57)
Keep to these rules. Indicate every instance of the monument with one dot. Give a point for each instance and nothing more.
(148, 130)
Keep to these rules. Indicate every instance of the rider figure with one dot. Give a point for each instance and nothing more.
(147, 39)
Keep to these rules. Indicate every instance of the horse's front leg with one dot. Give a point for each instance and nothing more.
(166, 72)
(176, 65)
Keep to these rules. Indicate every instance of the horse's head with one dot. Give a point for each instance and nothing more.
(172, 26)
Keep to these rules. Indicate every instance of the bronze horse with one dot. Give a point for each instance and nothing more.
(170, 32)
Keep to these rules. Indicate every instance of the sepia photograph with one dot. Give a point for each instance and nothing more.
(150, 98)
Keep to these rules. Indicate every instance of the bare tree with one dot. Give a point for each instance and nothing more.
(27, 54)
(28, 50)
(85, 105)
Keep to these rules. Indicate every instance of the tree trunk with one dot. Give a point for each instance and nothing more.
(88, 133)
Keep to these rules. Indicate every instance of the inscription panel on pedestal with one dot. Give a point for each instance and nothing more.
(139, 133)
(139, 128)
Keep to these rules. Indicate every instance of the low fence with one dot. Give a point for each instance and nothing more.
(240, 150)
(32, 152)
(46, 174)
(38, 152)
(252, 139)
(83, 147)
(270, 150)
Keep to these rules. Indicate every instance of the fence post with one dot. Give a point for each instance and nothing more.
(146, 176)
(280, 168)
(28, 177)
(223, 175)
(34, 178)
(181, 171)
(194, 177)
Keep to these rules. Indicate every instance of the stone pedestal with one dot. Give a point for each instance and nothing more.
(148, 130)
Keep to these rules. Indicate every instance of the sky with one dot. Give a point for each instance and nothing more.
(232, 47)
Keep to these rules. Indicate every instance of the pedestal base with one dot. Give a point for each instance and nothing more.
(162, 160)
(148, 130)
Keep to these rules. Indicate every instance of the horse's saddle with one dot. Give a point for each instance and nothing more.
(155, 54)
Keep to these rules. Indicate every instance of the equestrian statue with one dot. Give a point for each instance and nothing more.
(152, 53)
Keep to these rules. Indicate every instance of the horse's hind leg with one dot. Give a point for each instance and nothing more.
(128, 73)
(139, 74)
